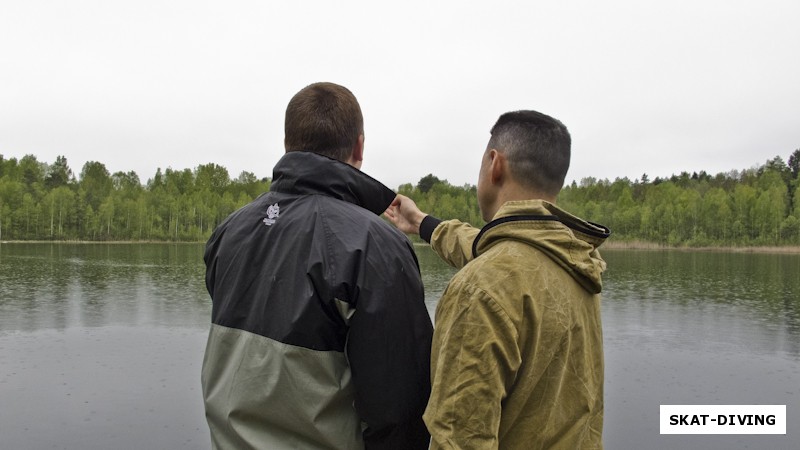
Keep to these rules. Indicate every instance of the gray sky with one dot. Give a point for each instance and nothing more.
(644, 87)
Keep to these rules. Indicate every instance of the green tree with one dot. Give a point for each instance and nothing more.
(794, 164)
(744, 203)
(31, 171)
(95, 183)
(427, 182)
(58, 174)
(213, 177)
(61, 204)
(106, 217)
(790, 230)
(717, 216)
(11, 198)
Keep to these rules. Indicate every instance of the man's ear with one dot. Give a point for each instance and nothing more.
(357, 155)
(358, 150)
(498, 165)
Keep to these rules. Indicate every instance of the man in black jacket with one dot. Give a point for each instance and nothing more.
(320, 338)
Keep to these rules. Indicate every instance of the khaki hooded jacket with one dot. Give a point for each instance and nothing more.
(517, 357)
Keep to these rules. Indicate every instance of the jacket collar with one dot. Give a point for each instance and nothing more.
(568, 240)
(306, 173)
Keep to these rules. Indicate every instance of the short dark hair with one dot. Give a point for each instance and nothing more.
(537, 147)
(323, 118)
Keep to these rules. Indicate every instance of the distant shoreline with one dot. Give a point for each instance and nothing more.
(641, 245)
(610, 245)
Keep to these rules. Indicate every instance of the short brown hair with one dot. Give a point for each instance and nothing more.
(323, 118)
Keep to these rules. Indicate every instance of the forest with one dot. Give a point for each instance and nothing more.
(758, 206)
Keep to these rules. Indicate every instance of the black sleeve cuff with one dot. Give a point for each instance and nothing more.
(426, 227)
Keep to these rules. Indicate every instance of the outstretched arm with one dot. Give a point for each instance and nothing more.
(405, 214)
(409, 219)
(452, 241)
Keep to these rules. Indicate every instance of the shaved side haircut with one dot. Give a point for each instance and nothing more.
(537, 147)
(323, 118)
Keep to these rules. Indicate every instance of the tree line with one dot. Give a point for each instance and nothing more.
(756, 206)
(47, 201)
(41, 201)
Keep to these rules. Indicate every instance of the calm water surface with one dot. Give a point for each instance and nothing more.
(101, 344)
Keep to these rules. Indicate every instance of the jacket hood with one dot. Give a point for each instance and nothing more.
(307, 173)
(566, 239)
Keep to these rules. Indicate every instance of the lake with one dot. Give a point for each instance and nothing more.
(101, 344)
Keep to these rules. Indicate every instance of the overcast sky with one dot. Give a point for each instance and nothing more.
(644, 87)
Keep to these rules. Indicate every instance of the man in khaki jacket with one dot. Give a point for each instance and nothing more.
(517, 358)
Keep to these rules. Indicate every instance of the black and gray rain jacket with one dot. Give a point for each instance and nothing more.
(320, 338)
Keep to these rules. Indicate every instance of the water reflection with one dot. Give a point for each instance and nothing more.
(102, 388)
(85, 285)
(726, 301)
(698, 328)
(435, 275)
(102, 343)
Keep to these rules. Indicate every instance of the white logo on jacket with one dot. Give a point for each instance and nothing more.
(273, 211)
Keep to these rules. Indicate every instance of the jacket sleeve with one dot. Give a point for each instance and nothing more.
(476, 359)
(388, 346)
(452, 241)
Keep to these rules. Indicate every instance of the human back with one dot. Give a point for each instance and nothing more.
(537, 307)
(517, 359)
(304, 304)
